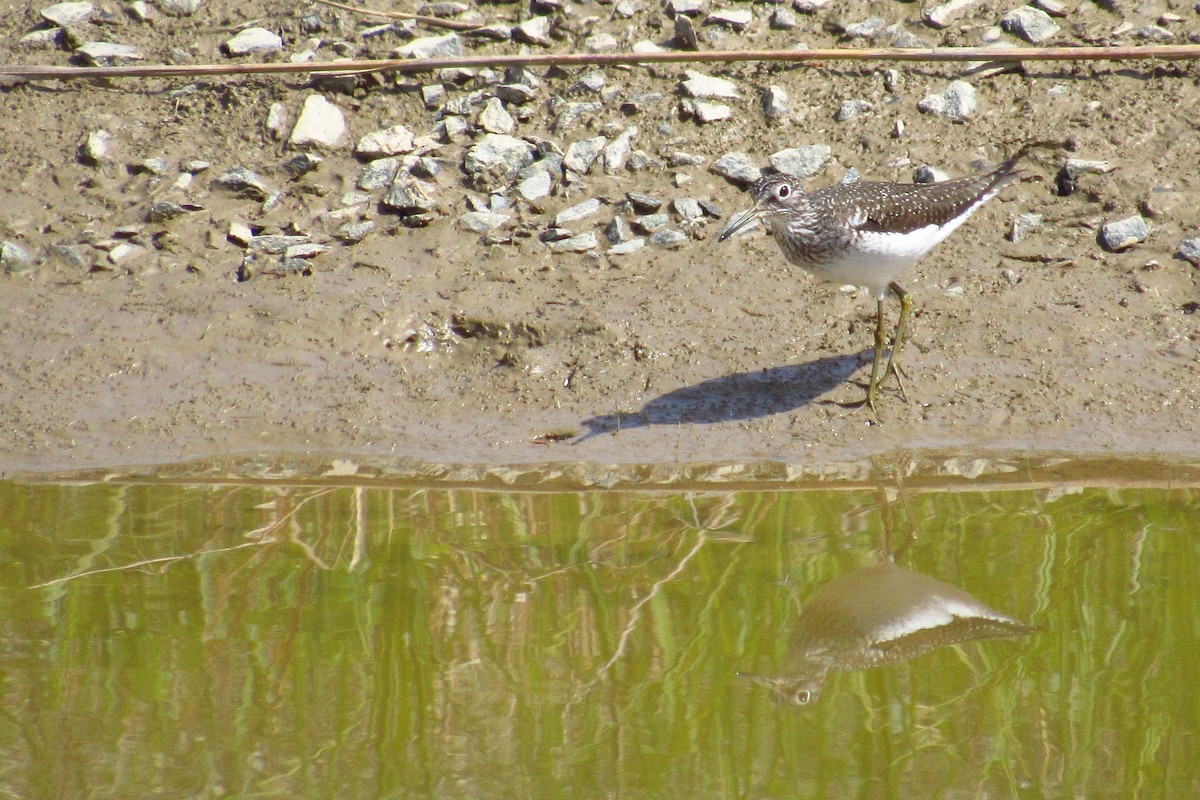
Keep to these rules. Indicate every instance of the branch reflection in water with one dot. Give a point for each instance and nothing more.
(877, 615)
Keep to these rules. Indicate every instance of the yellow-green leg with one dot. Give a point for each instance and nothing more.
(880, 340)
(893, 363)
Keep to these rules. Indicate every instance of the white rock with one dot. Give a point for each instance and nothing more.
(96, 147)
(1031, 24)
(494, 119)
(577, 212)
(387, 142)
(957, 103)
(65, 15)
(446, 46)
(699, 85)
(579, 243)
(499, 154)
(320, 123)
(617, 152)
(712, 112)
(581, 155)
(625, 248)
(536, 186)
(942, 15)
(482, 221)
(775, 103)
(180, 8)
(253, 40)
(600, 43)
(535, 30)
(739, 19)
(107, 52)
(803, 162)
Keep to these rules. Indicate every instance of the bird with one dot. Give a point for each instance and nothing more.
(868, 233)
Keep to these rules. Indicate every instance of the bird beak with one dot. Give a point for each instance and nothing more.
(740, 221)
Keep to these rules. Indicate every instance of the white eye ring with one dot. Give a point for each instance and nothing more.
(783, 191)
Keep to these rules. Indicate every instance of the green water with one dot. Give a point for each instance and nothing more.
(372, 642)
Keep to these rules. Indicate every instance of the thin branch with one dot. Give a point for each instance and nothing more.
(799, 57)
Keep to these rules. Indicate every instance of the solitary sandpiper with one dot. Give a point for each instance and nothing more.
(867, 234)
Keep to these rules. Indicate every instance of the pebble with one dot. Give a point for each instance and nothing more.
(699, 85)
(581, 155)
(1024, 225)
(180, 8)
(96, 146)
(355, 232)
(304, 250)
(386, 142)
(242, 181)
(274, 244)
(1051, 7)
(101, 53)
(579, 243)
(1189, 251)
(1074, 167)
(495, 119)
(425, 47)
(668, 238)
(410, 196)
(536, 186)
(616, 153)
(498, 155)
(941, 16)
(1031, 24)
(775, 103)
(43, 38)
(738, 20)
(483, 221)
(600, 43)
(651, 222)
(707, 112)
(535, 30)
(685, 34)
(1154, 33)
(66, 15)
(320, 124)
(866, 29)
(378, 174)
(929, 174)
(688, 209)
(851, 109)
(444, 9)
(253, 40)
(515, 93)
(783, 20)
(803, 162)
(689, 8)
(14, 259)
(618, 231)
(810, 6)
(1123, 234)
(577, 212)
(627, 247)
(957, 103)
(737, 167)
(643, 203)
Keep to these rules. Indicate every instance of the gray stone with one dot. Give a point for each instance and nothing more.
(304, 250)
(14, 259)
(577, 212)
(581, 155)
(685, 33)
(689, 8)
(498, 155)
(929, 174)
(803, 162)
(590, 80)
(386, 142)
(410, 196)
(516, 93)
(274, 244)
(1154, 33)
(1024, 225)
(735, 19)
(301, 163)
(1051, 7)
(940, 16)
(775, 103)
(483, 221)
(668, 238)
(737, 167)
(906, 39)
(580, 243)
(66, 15)
(101, 53)
(320, 124)
(809, 6)
(355, 232)
(616, 152)
(783, 20)
(600, 43)
(1189, 251)
(433, 95)
(618, 231)
(447, 46)
(535, 30)
(1031, 24)
(567, 114)
(496, 31)
(851, 109)
(866, 29)
(1074, 167)
(1124, 233)
(688, 208)
(180, 8)
(651, 222)
(253, 40)
(378, 174)
(494, 119)
(626, 247)
(643, 203)
(956, 103)
(242, 181)
(536, 186)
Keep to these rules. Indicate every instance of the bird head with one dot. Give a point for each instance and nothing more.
(773, 195)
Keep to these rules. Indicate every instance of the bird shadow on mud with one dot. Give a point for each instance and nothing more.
(740, 396)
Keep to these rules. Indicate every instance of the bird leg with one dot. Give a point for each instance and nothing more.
(893, 363)
(880, 340)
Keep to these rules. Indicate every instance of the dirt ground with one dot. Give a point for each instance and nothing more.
(428, 345)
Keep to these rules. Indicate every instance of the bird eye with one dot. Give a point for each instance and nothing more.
(783, 191)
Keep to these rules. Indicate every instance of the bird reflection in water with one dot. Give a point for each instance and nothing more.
(876, 615)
